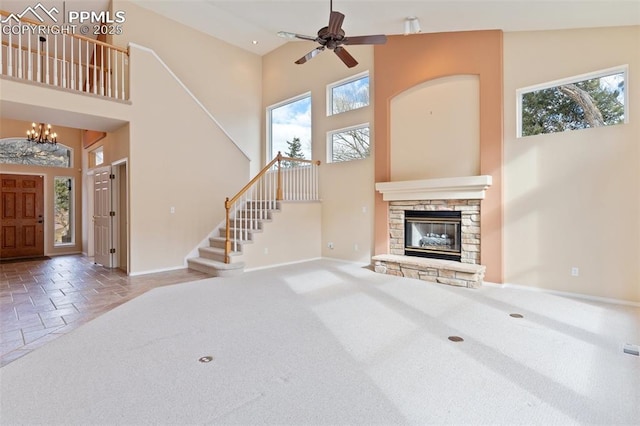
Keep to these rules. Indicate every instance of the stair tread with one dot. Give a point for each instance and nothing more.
(218, 250)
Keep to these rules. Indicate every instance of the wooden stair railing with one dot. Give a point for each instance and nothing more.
(63, 59)
(284, 178)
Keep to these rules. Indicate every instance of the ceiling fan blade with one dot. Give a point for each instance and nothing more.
(348, 60)
(368, 39)
(309, 55)
(335, 22)
(290, 36)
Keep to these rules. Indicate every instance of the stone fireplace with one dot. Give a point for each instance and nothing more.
(434, 228)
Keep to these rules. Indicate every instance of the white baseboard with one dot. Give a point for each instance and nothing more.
(155, 271)
(565, 293)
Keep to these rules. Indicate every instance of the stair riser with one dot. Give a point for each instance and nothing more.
(246, 224)
(252, 215)
(247, 237)
(213, 271)
(268, 205)
(213, 256)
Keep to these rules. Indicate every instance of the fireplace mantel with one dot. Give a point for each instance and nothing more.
(456, 188)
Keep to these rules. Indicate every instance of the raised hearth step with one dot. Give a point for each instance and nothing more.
(433, 270)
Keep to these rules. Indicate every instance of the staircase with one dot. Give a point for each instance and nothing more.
(283, 179)
(253, 217)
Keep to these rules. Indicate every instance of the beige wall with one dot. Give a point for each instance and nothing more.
(293, 235)
(347, 188)
(572, 199)
(435, 129)
(189, 165)
(71, 138)
(225, 78)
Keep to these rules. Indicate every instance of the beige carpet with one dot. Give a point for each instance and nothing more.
(326, 342)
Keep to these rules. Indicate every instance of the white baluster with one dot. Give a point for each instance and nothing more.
(64, 61)
(109, 53)
(46, 57)
(95, 70)
(55, 61)
(102, 91)
(123, 62)
(73, 65)
(19, 73)
(115, 74)
(10, 56)
(87, 88)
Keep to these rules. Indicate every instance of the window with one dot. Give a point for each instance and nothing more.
(96, 157)
(63, 211)
(590, 100)
(348, 94)
(348, 144)
(289, 128)
(21, 151)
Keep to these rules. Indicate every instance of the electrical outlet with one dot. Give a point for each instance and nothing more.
(575, 271)
(330, 245)
(172, 210)
(355, 247)
(266, 250)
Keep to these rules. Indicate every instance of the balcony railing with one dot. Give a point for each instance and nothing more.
(34, 52)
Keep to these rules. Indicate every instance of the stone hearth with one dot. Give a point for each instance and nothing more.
(462, 194)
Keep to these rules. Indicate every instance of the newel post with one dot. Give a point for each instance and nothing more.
(279, 189)
(227, 236)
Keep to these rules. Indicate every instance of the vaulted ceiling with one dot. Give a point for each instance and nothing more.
(241, 22)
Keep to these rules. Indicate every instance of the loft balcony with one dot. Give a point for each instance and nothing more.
(56, 57)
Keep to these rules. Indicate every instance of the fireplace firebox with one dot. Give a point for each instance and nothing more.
(434, 234)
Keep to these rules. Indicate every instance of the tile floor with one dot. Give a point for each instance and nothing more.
(42, 300)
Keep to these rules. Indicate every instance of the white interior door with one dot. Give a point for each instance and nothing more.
(102, 218)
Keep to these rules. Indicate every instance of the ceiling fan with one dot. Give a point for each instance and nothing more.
(332, 37)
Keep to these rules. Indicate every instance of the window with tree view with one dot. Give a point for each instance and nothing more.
(63, 210)
(21, 151)
(349, 144)
(349, 94)
(593, 100)
(290, 128)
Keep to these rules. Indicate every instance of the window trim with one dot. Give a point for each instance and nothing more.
(620, 69)
(342, 82)
(270, 108)
(330, 134)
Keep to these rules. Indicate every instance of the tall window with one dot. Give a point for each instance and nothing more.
(348, 94)
(289, 128)
(348, 144)
(63, 210)
(590, 100)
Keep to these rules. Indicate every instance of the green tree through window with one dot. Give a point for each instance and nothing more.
(589, 103)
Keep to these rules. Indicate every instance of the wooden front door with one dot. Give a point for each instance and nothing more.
(22, 214)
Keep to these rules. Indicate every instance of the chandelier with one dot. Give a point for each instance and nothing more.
(42, 133)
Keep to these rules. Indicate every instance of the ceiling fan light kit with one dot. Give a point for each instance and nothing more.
(333, 37)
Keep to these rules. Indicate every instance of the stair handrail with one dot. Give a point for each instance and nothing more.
(229, 202)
